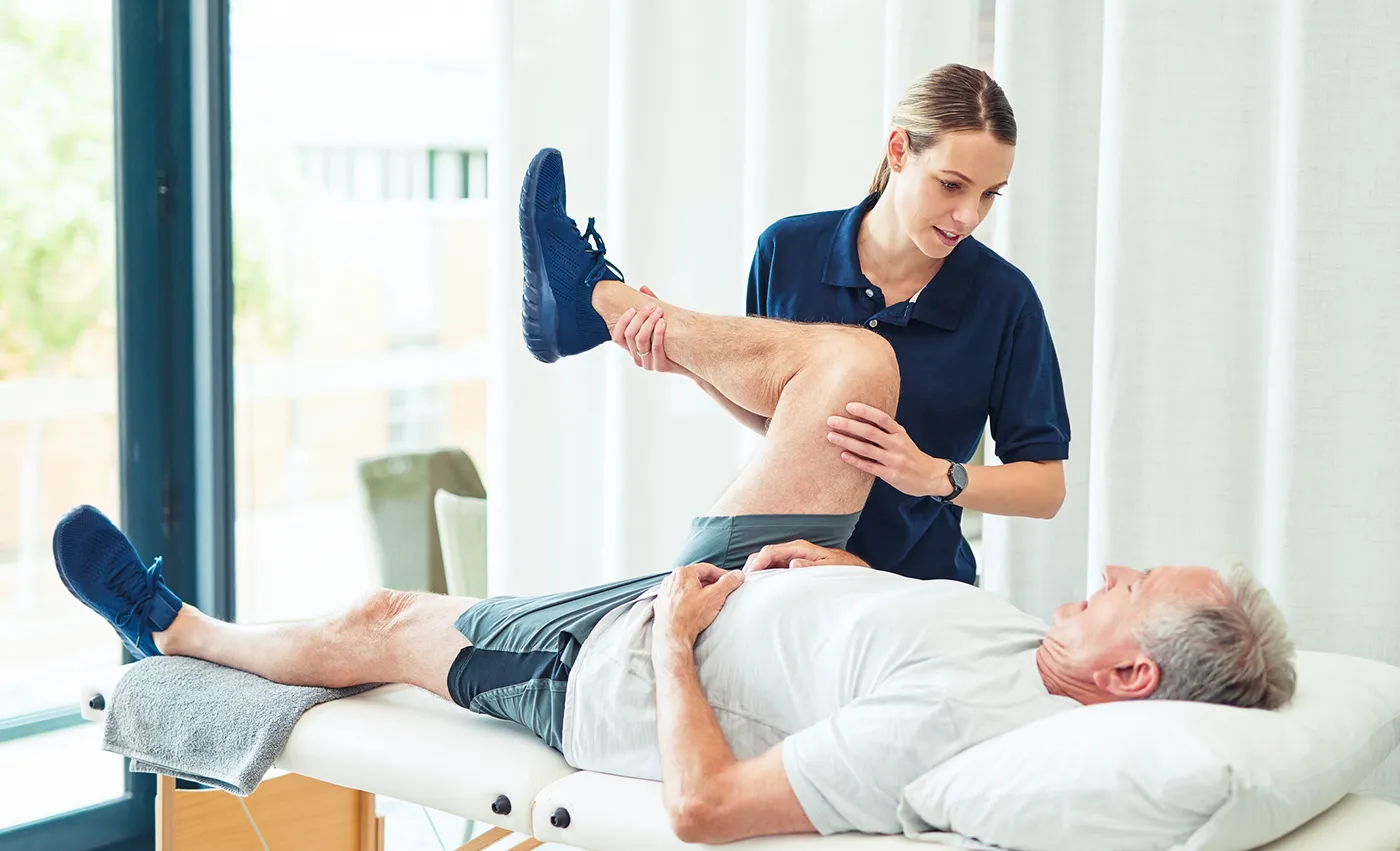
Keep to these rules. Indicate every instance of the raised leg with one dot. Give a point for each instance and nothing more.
(795, 374)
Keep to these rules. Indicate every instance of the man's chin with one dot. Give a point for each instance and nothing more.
(1067, 611)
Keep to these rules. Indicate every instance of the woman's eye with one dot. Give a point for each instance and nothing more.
(991, 194)
(951, 187)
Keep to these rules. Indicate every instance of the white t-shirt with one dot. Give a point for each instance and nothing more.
(868, 679)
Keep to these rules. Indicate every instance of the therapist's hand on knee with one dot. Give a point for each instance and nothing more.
(798, 554)
(690, 598)
(643, 335)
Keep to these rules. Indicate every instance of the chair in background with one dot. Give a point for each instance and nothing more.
(461, 524)
(399, 492)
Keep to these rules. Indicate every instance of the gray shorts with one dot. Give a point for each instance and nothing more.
(522, 648)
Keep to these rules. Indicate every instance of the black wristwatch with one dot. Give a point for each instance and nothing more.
(957, 477)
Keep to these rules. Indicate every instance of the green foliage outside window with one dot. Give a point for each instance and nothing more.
(56, 200)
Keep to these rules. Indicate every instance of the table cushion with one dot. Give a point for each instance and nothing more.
(406, 743)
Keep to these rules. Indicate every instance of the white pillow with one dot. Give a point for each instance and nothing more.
(1157, 775)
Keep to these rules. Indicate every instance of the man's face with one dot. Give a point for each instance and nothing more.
(1097, 634)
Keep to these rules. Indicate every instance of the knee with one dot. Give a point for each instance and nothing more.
(864, 366)
(380, 611)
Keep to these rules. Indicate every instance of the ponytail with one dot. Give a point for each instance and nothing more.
(882, 177)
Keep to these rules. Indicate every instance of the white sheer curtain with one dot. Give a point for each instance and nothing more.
(686, 129)
(1205, 195)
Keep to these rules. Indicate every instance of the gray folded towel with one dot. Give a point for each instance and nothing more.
(199, 721)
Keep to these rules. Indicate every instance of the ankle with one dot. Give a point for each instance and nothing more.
(173, 641)
(613, 298)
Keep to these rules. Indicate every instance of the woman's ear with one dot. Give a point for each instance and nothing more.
(897, 148)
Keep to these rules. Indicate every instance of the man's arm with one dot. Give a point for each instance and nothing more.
(711, 796)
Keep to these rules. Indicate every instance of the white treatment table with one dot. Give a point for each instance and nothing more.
(406, 743)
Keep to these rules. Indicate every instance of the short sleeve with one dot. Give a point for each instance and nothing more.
(1029, 418)
(759, 272)
(848, 770)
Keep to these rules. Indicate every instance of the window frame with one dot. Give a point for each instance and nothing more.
(175, 346)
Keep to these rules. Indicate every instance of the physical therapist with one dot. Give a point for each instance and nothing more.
(967, 327)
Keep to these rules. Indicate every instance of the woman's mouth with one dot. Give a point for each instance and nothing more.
(948, 237)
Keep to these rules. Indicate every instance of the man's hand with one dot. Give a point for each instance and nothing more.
(690, 599)
(798, 554)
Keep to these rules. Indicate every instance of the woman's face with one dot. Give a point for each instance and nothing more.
(943, 193)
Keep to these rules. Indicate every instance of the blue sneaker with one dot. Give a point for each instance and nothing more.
(561, 267)
(100, 567)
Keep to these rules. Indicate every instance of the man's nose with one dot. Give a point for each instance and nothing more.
(1115, 573)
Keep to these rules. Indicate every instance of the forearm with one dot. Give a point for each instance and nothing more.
(754, 422)
(711, 796)
(693, 748)
(1020, 489)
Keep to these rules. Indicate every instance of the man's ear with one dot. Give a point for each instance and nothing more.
(1133, 680)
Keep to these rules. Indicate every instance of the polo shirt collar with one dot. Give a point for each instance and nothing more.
(940, 303)
(842, 267)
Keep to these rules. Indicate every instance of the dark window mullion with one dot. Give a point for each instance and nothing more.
(128, 821)
(174, 308)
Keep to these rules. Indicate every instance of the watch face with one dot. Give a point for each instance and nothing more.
(958, 473)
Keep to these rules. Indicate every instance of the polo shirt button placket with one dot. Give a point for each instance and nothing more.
(874, 323)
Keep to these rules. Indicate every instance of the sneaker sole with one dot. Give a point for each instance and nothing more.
(539, 316)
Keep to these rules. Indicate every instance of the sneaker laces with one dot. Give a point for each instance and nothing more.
(139, 586)
(600, 262)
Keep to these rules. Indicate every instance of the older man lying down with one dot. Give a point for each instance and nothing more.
(800, 694)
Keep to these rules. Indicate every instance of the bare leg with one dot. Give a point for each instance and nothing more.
(387, 637)
(795, 374)
(747, 359)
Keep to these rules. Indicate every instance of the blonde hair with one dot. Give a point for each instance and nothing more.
(950, 99)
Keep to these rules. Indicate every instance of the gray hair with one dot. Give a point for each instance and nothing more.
(1234, 650)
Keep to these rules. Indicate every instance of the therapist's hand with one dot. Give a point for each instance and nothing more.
(872, 441)
(643, 335)
(689, 600)
(798, 554)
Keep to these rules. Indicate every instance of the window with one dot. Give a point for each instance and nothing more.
(58, 387)
(456, 175)
(361, 283)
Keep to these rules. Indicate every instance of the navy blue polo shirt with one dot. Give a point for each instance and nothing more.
(972, 346)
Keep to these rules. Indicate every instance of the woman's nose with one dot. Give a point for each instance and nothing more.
(966, 218)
